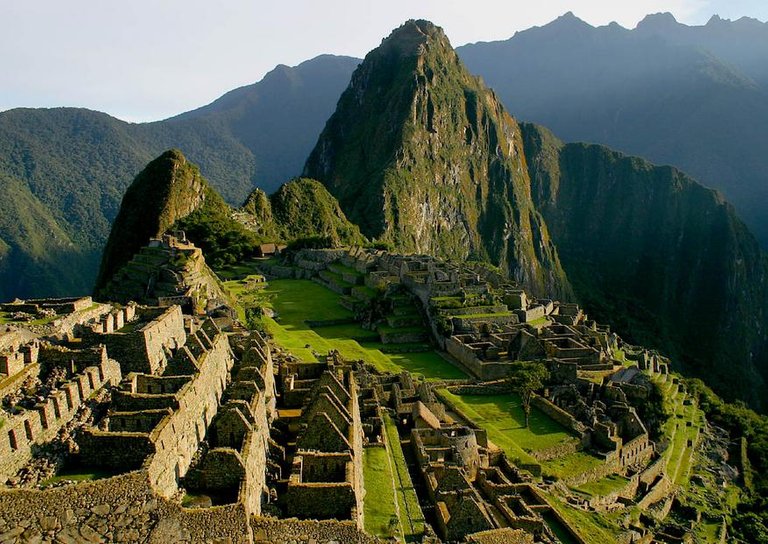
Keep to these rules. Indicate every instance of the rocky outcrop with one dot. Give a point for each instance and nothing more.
(422, 155)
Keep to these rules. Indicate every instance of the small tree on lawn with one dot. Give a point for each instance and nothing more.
(527, 378)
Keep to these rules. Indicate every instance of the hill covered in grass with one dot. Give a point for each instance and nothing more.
(76, 163)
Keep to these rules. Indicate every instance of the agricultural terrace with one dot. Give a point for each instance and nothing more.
(309, 321)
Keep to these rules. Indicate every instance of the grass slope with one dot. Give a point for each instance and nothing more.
(504, 416)
(298, 301)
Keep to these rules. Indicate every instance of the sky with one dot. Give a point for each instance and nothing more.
(145, 60)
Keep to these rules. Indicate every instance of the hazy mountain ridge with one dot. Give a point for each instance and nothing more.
(694, 97)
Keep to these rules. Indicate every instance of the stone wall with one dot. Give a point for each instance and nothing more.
(290, 531)
(167, 450)
(118, 509)
(178, 436)
(321, 500)
(558, 414)
(141, 346)
(20, 433)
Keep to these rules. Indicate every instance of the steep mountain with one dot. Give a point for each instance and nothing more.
(422, 155)
(77, 163)
(304, 208)
(663, 259)
(167, 190)
(694, 97)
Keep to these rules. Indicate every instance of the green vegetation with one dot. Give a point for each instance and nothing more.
(525, 380)
(6, 317)
(76, 164)
(77, 475)
(35, 251)
(223, 240)
(750, 520)
(504, 419)
(411, 516)
(304, 207)
(605, 486)
(298, 301)
(380, 502)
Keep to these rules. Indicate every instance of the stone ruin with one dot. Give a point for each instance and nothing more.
(204, 432)
(168, 271)
(187, 406)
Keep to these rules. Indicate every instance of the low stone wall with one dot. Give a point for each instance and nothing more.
(557, 451)
(397, 337)
(293, 531)
(454, 312)
(558, 414)
(496, 387)
(661, 489)
(627, 491)
(118, 509)
(601, 471)
(501, 536)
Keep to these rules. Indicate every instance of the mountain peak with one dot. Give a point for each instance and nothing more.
(420, 154)
(409, 39)
(168, 189)
(568, 20)
(658, 22)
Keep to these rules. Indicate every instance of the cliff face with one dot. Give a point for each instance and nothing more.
(420, 154)
(662, 258)
(167, 190)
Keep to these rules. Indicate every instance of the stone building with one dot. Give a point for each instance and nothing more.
(326, 479)
(87, 371)
(156, 422)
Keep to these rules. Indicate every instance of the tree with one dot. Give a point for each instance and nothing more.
(527, 378)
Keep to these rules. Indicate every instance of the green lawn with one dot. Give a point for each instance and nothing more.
(380, 503)
(502, 416)
(411, 516)
(570, 465)
(5, 318)
(298, 301)
(78, 475)
(606, 486)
